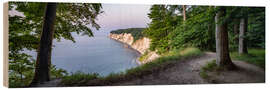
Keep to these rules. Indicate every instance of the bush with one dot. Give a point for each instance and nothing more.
(21, 70)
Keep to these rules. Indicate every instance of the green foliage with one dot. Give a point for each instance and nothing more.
(255, 35)
(168, 31)
(57, 72)
(25, 31)
(256, 27)
(21, 70)
(203, 74)
(190, 51)
(135, 32)
(209, 67)
(254, 56)
(197, 31)
(70, 17)
(21, 65)
(144, 56)
(78, 78)
(164, 20)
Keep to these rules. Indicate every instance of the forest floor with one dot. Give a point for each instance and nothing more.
(188, 72)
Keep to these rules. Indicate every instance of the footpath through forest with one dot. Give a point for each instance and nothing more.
(187, 72)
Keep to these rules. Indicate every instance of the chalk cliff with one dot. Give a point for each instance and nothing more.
(141, 45)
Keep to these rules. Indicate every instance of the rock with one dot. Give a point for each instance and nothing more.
(141, 45)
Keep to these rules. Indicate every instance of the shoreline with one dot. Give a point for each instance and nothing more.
(140, 54)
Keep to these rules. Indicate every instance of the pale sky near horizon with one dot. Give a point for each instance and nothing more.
(118, 16)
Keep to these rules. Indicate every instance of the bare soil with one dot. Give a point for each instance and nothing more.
(187, 72)
(245, 73)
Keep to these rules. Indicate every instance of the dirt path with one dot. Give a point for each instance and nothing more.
(187, 72)
(245, 73)
(184, 72)
(52, 83)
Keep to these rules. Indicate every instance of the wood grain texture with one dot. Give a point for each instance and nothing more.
(5, 44)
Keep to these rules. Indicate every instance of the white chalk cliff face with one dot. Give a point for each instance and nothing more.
(141, 45)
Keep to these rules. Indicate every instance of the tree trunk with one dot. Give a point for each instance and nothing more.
(236, 30)
(42, 70)
(223, 59)
(242, 33)
(184, 12)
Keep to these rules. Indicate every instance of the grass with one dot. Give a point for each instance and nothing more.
(204, 74)
(144, 56)
(209, 67)
(183, 52)
(254, 56)
(78, 78)
(155, 66)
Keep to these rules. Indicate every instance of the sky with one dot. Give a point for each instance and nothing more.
(121, 16)
(117, 16)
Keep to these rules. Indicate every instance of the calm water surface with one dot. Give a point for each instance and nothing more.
(98, 54)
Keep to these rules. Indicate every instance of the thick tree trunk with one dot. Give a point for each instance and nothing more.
(42, 70)
(184, 12)
(242, 33)
(223, 59)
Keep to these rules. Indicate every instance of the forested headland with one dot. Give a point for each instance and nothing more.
(135, 32)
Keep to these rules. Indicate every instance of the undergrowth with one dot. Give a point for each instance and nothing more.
(254, 56)
(209, 67)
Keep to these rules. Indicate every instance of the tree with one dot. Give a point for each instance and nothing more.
(242, 48)
(42, 70)
(25, 31)
(184, 12)
(236, 29)
(242, 36)
(222, 46)
(256, 27)
(164, 20)
(198, 31)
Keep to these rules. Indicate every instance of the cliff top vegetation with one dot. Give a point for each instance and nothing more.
(135, 32)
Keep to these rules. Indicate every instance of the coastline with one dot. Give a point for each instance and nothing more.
(141, 45)
(129, 46)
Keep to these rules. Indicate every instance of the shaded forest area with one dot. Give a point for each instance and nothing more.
(224, 30)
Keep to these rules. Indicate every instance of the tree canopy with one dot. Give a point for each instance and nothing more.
(168, 31)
